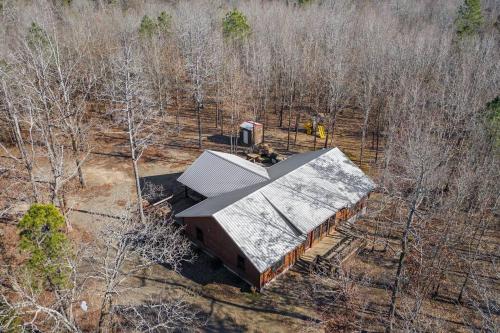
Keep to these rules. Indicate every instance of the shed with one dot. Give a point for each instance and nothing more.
(250, 133)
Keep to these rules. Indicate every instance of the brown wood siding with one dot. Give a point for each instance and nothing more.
(219, 244)
(332, 224)
(327, 227)
(290, 259)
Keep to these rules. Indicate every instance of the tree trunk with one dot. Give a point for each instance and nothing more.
(462, 289)
(289, 128)
(24, 155)
(332, 128)
(104, 317)
(135, 166)
(378, 136)
(404, 249)
(221, 122)
(216, 114)
(138, 189)
(281, 114)
(363, 136)
(297, 120)
(74, 145)
(178, 109)
(315, 136)
(264, 118)
(198, 116)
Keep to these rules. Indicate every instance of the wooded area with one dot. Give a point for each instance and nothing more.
(409, 88)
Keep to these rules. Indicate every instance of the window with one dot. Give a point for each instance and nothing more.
(199, 234)
(277, 265)
(240, 262)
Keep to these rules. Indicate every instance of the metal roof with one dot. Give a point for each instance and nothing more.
(316, 190)
(259, 230)
(269, 218)
(249, 125)
(215, 173)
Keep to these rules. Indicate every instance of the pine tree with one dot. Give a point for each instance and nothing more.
(46, 244)
(148, 26)
(469, 18)
(164, 22)
(235, 25)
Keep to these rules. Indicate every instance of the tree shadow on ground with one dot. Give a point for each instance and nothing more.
(220, 139)
(214, 323)
(258, 306)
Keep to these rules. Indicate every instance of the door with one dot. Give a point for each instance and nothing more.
(245, 137)
(316, 234)
(309, 240)
(332, 224)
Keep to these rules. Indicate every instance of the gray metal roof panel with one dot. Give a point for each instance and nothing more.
(215, 173)
(293, 162)
(259, 230)
(310, 194)
(212, 205)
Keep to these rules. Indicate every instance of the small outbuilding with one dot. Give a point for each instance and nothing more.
(250, 133)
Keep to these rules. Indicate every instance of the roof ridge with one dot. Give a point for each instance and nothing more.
(326, 150)
(257, 189)
(262, 185)
(213, 152)
(286, 219)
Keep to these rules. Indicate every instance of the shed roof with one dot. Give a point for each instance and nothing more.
(249, 125)
(269, 218)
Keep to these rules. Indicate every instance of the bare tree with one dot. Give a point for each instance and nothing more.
(34, 309)
(233, 96)
(160, 314)
(419, 165)
(132, 248)
(48, 92)
(199, 47)
(13, 114)
(130, 94)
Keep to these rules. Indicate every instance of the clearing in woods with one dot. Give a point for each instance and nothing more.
(216, 292)
(219, 296)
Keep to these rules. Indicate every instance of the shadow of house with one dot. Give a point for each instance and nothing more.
(210, 270)
(158, 187)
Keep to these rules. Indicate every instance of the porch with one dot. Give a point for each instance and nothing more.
(339, 243)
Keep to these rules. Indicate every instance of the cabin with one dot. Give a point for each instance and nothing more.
(260, 220)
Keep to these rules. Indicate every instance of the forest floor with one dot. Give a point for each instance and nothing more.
(219, 296)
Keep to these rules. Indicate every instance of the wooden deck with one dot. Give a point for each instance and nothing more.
(339, 244)
(322, 248)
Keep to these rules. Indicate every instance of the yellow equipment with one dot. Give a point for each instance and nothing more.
(308, 126)
(309, 129)
(321, 131)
